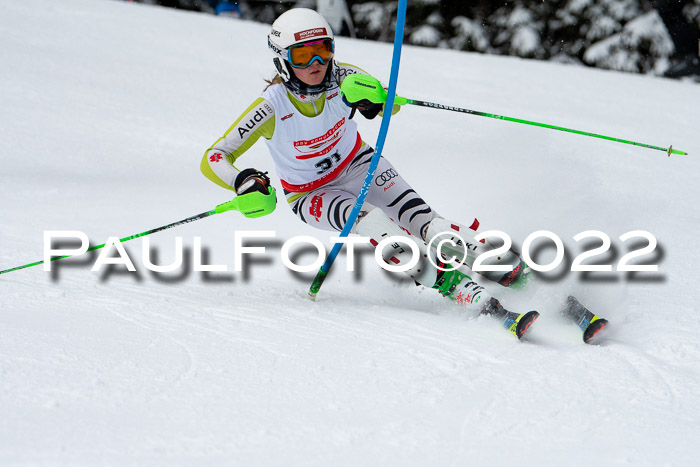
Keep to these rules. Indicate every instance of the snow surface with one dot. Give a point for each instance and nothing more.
(105, 110)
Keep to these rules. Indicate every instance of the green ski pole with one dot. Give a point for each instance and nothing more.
(402, 101)
(227, 206)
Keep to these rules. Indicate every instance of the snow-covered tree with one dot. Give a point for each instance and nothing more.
(615, 34)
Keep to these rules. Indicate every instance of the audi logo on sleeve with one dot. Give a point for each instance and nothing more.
(385, 176)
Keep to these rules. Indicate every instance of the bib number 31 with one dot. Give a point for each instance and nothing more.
(325, 164)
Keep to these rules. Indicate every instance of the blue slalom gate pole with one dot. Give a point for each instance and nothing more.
(389, 105)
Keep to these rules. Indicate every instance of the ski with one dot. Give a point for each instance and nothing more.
(516, 323)
(591, 326)
(519, 324)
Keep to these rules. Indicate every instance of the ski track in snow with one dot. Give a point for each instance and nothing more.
(104, 118)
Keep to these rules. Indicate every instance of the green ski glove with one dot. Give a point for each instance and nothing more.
(366, 94)
(256, 197)
(356, 88)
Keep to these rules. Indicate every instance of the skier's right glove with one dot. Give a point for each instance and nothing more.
(256, 197)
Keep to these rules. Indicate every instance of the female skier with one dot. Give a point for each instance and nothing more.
(322, 161)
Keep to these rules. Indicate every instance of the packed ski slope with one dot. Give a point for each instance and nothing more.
(105, 110)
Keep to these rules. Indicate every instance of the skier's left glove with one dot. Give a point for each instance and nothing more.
(256, 197)
(368, 109)
(364, 93)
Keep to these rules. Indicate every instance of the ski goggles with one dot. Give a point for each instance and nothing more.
(303, 55)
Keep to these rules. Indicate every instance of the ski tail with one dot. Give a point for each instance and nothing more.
(595, 332)
(516, 323)
(593, 327)
(522, 323)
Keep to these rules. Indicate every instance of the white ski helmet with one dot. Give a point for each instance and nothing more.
(295, 27)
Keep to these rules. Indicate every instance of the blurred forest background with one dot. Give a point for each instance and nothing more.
(623, 35)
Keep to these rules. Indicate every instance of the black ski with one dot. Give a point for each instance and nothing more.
(591, 325)
(516, 323)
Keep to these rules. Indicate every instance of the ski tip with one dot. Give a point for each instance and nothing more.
(312, 296)
(525, 322)
(595, 332)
